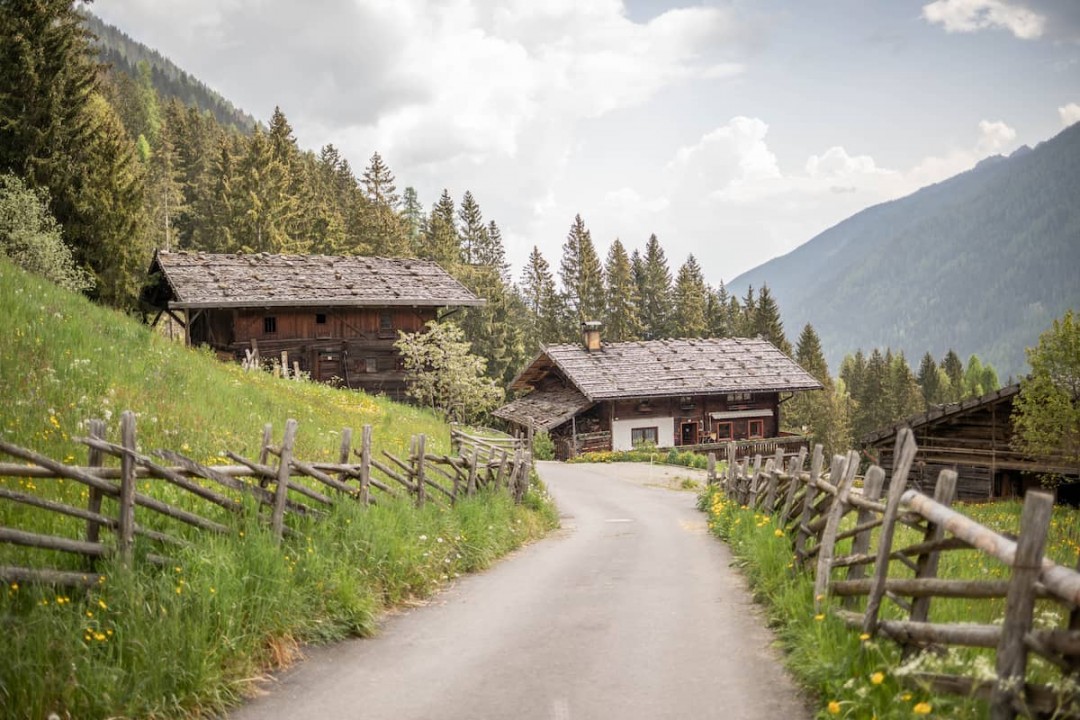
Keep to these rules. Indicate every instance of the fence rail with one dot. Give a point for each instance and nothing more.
(886, 583)
(281, 485)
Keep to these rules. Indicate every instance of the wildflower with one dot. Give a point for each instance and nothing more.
(922, 708)
(423, 537)
(906, 697)
(819, 617)
(102, 605)
(864, 637)
(14, 587)
(89, 614)
(877, 678)
(778, 532)
(834, 707)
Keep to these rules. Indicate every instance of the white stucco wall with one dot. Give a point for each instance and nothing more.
(620, 431)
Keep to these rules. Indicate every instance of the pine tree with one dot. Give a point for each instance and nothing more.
(929, 381)
(541, 301)
(621, 321)
(442, 242)
(412, 215)
(471, 227)
(767, 322)
(954, 370)
(164, 191)
(746, 321)
(719, 313)
(58, 133)
(690, 299)
(581, 276)
(904, 392)
(385, 228)
(810, 356)
(492, 252)
(656, 294)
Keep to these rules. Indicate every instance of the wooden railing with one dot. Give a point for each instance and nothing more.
(886, 581)
(280, 485)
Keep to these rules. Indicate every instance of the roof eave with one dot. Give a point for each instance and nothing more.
(331, 302)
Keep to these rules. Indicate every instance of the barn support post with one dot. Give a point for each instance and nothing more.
(1019, 604)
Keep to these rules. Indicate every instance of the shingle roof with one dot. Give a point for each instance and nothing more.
(201, 280)
(668, 368)
(939, 412)
(545, 408)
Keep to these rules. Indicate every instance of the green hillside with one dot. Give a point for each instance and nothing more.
(981, 262)
(188, 639)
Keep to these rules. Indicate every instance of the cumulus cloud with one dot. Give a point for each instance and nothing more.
(1069, 114)
(970, 15)
(993, 136)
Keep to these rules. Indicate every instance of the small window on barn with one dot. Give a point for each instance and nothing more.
(269, 324)
(645, 435)
(320, 318)
(757, 428)
(371, 365)
(386, 321)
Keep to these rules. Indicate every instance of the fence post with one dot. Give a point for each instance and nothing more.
(872, 487)
(365, 465)
(710, 469)
(926, 565)
(832, 525)
(903, 457)
(281, 492)
(803, 529)
(421, 491)
(264, 451)
(474, 460)
(794, 478)
(520, 477)
(1019, 604)
(95, 458)
(126, 526)
(774, 481)
(732, 471)
(345, 452)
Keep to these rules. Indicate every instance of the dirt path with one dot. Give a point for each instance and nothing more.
(630, 611)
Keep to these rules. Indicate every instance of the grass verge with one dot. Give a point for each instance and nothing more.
(853, 675)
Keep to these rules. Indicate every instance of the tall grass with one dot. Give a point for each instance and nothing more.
(855, 676)
(192, 638)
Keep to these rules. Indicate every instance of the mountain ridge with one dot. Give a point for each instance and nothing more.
(980, 262)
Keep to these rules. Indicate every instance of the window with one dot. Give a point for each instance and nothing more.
(371, 365)
(738, 397)
(386, 321)
(269, 324)
(724, 431)
(757, 428)
(641, 436)
(320, 318)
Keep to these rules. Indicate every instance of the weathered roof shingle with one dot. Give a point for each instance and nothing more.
(545, 408)
(204, 280)
(668, 368)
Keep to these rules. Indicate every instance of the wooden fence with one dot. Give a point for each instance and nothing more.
(281, 485)
(879, 580)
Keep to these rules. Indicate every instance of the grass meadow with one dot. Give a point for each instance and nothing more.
(853, 675)
(194, 637)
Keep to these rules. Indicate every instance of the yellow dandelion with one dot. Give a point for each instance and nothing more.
(922, 708)
(14, 586)
(834, 707)
(778, 532)
(179, 589)
(864, 637)
(102, 605)
(89, 614)
(906, 697)
(877, 678)
(819, 617)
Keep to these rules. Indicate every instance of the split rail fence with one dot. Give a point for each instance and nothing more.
(281, 485)
(884, 581)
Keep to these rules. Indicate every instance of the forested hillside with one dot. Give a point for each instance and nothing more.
(128, 58)
(981, 263)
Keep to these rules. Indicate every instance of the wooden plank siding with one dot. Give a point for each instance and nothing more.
(350, 346)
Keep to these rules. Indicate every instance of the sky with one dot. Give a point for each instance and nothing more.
(733, 130)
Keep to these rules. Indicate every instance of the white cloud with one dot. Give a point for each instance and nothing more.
(1069, 114)
(971, 15)
(993, 136)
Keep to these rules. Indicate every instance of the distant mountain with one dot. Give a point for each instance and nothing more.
(118, 50)
(981, 263)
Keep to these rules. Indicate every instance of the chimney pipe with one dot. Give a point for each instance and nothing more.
(590, 335)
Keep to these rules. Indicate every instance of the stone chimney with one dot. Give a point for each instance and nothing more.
(590, 335)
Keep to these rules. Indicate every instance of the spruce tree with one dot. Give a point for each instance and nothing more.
(621, 321)
(954, 371)
(581, 276)
(767, 322)
(442, 242)
(412, 215)
(656, 293)
(471, 227)
(384, 226)
(929, 381)
(541, 300)
(719, 313)
(810, 356)
(690, 299)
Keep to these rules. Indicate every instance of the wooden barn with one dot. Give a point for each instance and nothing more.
(974, 438)
(669, 393)
(336, 316)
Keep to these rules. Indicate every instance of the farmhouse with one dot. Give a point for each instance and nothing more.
(973, 438)
(336, 316)
(670, 393)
